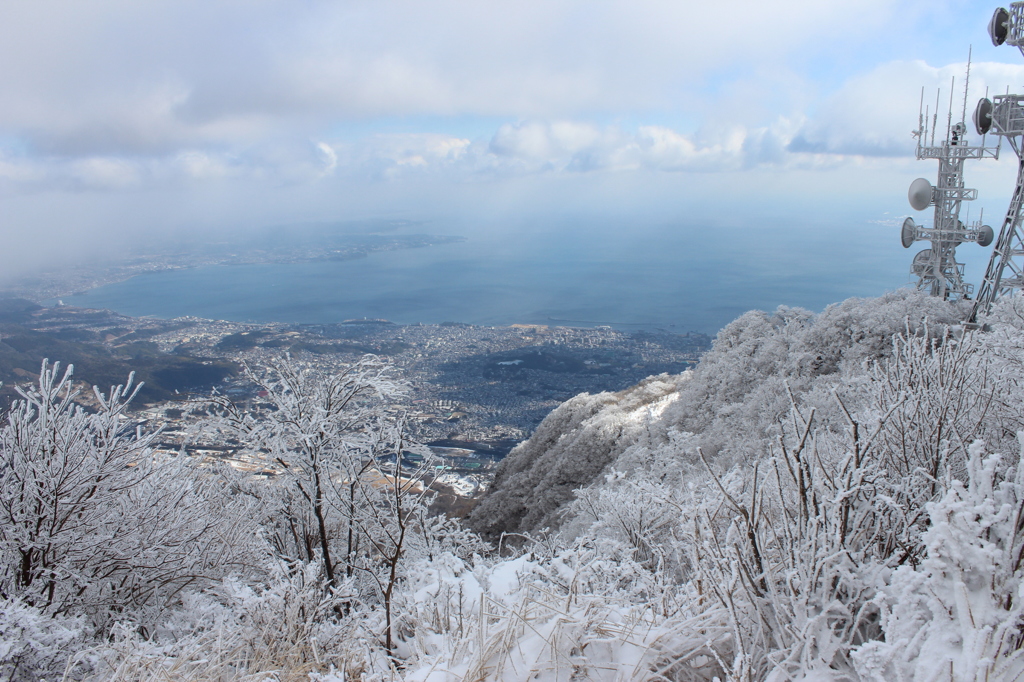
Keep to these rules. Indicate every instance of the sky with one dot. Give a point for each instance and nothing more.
(122, 122)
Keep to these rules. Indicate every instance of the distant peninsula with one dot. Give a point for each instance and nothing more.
(275, 245)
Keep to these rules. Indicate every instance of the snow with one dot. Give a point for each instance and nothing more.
(826, 498)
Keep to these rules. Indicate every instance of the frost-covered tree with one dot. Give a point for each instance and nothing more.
(93, 527)
(815, 501)
(322, 433)
(90, 522)
(347, 497)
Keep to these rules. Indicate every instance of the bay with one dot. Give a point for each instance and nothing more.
(579, 273)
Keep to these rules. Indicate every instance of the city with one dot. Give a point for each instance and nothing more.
(474, 392)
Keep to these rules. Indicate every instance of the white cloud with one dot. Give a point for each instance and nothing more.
(111, 77)
(874, 113)
(329, 157)
(106, 173)
(540, 145)
(201, 166)
(21, 172)
(385, 156)
(201, 102)
(533, 147)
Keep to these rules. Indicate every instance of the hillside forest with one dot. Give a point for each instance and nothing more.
(830, 497)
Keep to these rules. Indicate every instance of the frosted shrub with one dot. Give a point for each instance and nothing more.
(783, 552)
(806, 551)
(582, 613)
(942, 397)
(90, 524)
(284, 629)
(33, 645)
(960, 615)
(632, 511)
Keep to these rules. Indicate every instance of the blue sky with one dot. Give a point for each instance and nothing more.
(122, 120)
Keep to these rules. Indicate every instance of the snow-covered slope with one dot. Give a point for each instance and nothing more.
(830, 498)
(726, 406)
(570, 448)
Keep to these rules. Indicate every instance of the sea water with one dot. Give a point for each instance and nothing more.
(620, 273)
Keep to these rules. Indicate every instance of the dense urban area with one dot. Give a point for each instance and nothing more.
(474, 392)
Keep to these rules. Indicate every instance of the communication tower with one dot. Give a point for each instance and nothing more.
(1003, 115)
(936, 268)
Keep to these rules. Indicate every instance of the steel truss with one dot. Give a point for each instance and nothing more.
(937, 269)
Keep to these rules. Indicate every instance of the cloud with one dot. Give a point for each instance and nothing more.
(870, 115)
(576, 146)
(113, 77)
(874, 113)
(534, 147)
(174, 112)
(112, 95)
(330, 158)
(567, 147)
(106, 173)
(201, 166)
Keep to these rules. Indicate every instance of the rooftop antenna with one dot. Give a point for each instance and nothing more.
(1004, 116)
(936, 268)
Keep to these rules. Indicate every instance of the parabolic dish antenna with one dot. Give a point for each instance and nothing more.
(999, 26)
(985, 235)
(922, 264)
(907, 233)
(920, 194)
(983, 115)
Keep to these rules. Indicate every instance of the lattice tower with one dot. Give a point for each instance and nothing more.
(936, 268)
(1003, 115)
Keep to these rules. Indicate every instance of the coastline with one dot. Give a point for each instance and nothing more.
(77, 280)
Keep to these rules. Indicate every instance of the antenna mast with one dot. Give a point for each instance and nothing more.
(967, 82)
(1004, 116)
(936, 268)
